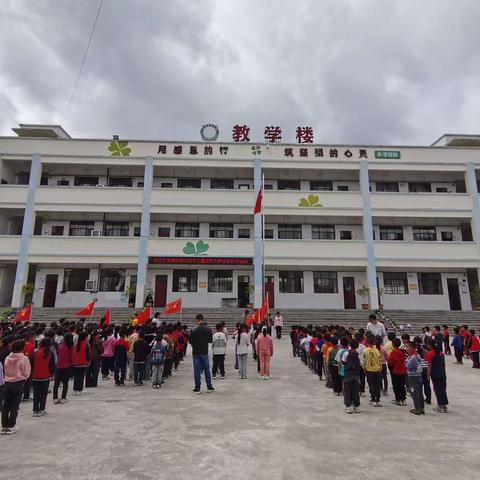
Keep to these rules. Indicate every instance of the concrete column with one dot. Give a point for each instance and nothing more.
(144, 233)
(27, 230)
(257, 224)
(471, 182)
(368, 234)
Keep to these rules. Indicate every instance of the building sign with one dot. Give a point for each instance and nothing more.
(200, 260)
(387, 154)
(209, 132)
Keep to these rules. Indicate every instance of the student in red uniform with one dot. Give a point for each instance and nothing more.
(81, 359)
(120, 350)
(64, 368)
(398, 371)
(43, 368)
(28, 351)
(474, 345)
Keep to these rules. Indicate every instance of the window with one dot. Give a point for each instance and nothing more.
(291, 282)
(81, 229)
(112, 280)
(23, 178)
(136, 231)
(325, 282)
(244, 186)
(74, 279)
(424, 234)
(345, 235)
(323, 232)
(221, 230)
(430, 284)
(189, 183)
(120, 182)
(187, 230)
(391, 233)
(116, 229)
(268, 186)
(447, 236)
(386, 186)
(164, 232)
(269, 233)
(320, 185)
(342, 188)
(85, 181)
(185, 280)
(243, 233)
(166, 185)
(289, 232)
(220, 281)
(419, 187)
(226, 184)
(288, 185)
(57, 230)
(44, 180)
(395, 283)
(140, 184)
(63, 183)
(441, 190)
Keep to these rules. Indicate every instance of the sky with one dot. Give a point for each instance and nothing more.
(356, 71)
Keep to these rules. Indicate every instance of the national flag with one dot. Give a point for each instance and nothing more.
(25, 314)
(258, 203)
(107, 319)
(173, 307)
(87, 310)
(264, 309)
(253, 318)
(144, 315)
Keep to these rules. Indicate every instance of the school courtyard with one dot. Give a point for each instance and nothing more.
(287, 428)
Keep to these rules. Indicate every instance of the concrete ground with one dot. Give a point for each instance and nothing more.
(287, 428)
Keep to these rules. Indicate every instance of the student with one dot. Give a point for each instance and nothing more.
(319, 355)
(384, 357)
(120, 355)
(446, 340)
(474, 349)
(132, 337)
(398, 371)
(43, 368)
(333, 367)
(64, 368)
(2, 386)
(107, 355)
(373, 371)
(16, 371)
(457, 344)
(242, 343)
(219, 349)
(278, 324)
(388, 344)
(325, 348)
(293, 339)
(344, 342)
(96, 349)
(351, 379)
(436, 371)
(265, 352)
(360, 337)
(415, 382)
(158, 352)
(81, 359)
(427, 389)
(140, 353)
(28, 351)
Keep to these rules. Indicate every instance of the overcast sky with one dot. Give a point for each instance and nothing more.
(357, 71)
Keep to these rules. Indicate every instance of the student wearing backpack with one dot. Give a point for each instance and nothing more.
(415, 381)
(351, 379)
(158, 352)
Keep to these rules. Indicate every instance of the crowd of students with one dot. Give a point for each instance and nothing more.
(33, 354)
(349, 359)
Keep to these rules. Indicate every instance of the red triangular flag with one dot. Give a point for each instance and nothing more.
(87, 310)
(173, 307)
(258, 203)
(107, 319)
(25, 314)
(144, 316)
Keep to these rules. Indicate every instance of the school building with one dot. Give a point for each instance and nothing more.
(344, 225)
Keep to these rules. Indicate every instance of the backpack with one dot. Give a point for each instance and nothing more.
(158, 354)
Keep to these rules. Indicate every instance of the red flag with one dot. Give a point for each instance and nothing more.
(264, 309)
(173, 307)
(107, 319)
(25, 314)
(253, 318)
(144, 316)
(87, 310)
(258, 203)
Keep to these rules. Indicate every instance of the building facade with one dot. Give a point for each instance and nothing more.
(344, 225)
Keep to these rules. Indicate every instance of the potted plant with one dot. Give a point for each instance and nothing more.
(363, 292)
(28, 289)
(475, 295)
(149, 297)
(381, 291)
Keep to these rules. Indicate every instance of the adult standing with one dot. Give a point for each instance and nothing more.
(375, 327)
(264, 350)
(278, 324)
(200, 337)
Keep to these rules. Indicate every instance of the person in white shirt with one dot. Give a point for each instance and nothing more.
(375, 327)
(278, 324)
(219, 349)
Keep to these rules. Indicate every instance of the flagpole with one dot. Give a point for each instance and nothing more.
(263, 236)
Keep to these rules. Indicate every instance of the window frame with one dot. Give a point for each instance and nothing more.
(323, 232)
(57, 234)
(110, 228)
(387, 187)
(325, 282)
(284, 229)
(164, 229)
(288, 185)
(429, 234)
(421, 285)
(391, 233)
(220, 281)
(316, 186)
(182, 227)
(78, 283)
(219, 186)
(214, 230)
(244, 230)
(414, 187)
(191, 283)
(289, 280)
(81, 226)
(394, 283)
(111, 274)
(196, 183)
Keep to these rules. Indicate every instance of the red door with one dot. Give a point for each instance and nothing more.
(270, 291)
(161, 290)
(349, 300)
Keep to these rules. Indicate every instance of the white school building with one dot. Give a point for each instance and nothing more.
(345, 225)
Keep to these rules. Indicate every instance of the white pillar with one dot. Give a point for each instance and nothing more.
(475, 220)
(27, 230)
(257, 224)
(368, 234)
(144, 234)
